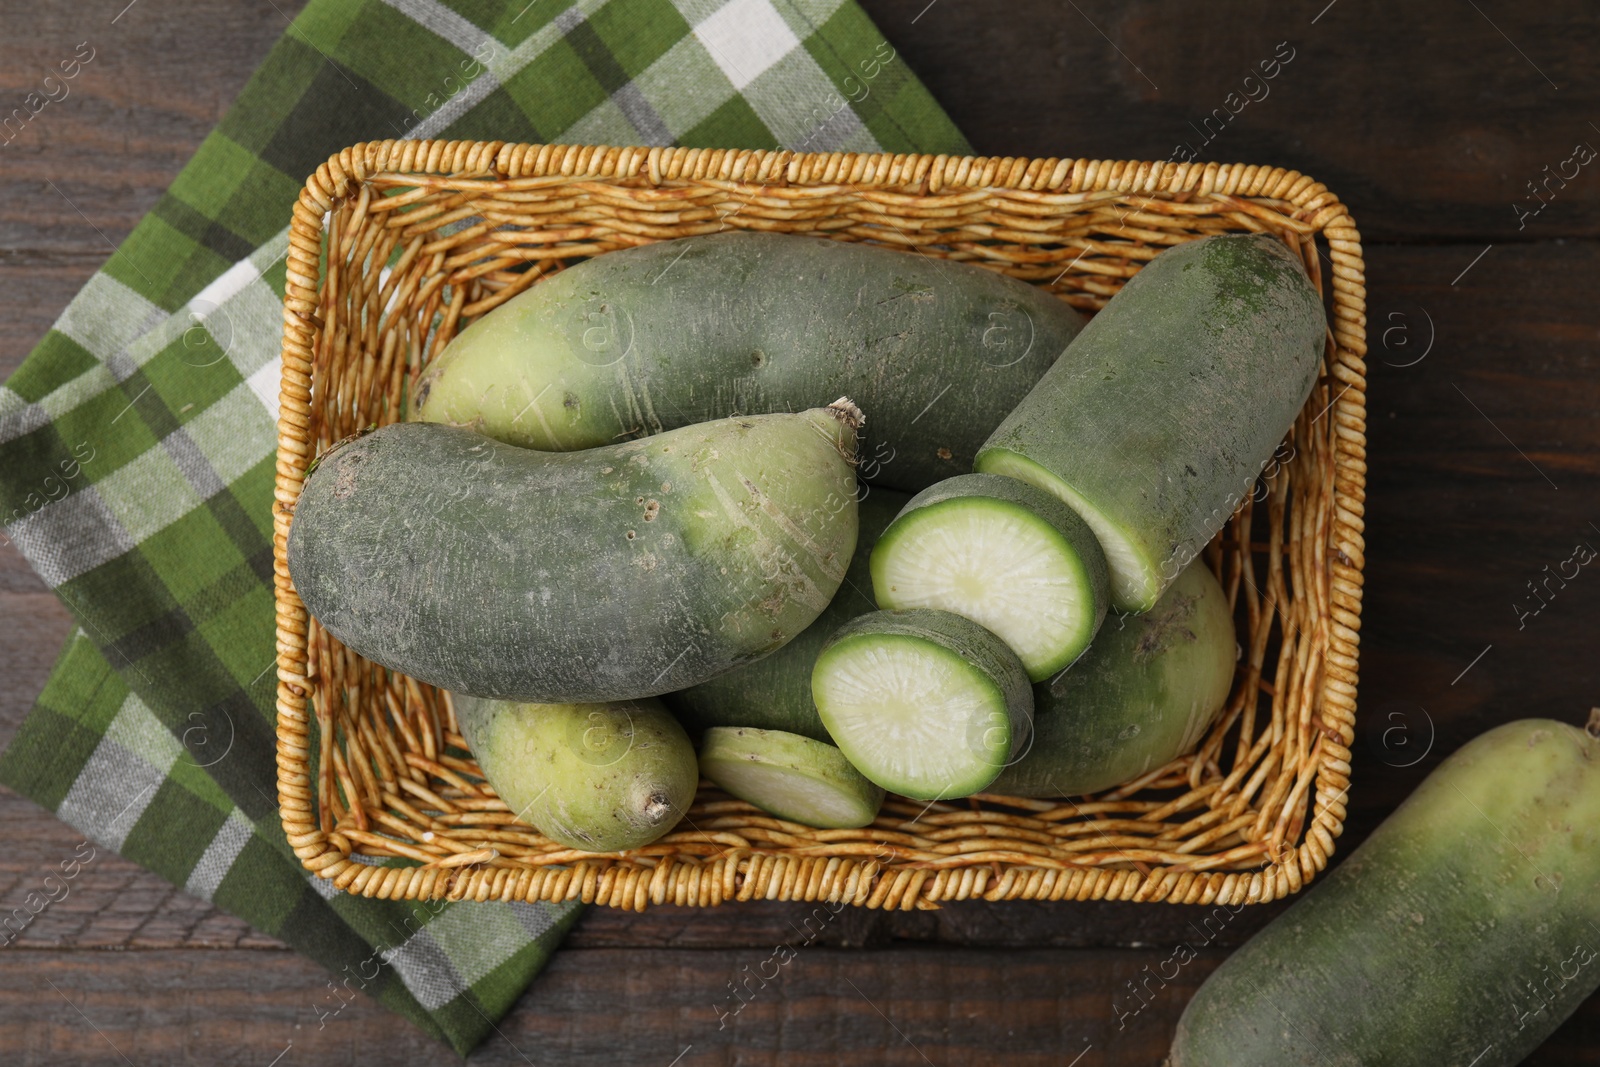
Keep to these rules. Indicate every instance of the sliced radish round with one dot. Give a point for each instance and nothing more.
(1146, 692)
(790, 776)
(925, 703)
(1005, 554)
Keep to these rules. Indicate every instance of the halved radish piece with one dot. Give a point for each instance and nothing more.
(790, 776)
(1002, 553)
(1157, 420)
(925, 703)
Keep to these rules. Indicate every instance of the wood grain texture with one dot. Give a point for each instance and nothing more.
(1024, 1007)
(37, 286)
(87, 167)
(822, 1006)
(1426, 120)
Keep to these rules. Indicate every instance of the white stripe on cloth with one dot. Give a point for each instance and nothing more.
(502, 66)
(227, 284)
(107, 316)
(479, 937)
(425, 969)
(807, 123)
(538, 918)
(18, 417)
(745, 37)
(686, 85)
(70, 537)
(136, 728)
(120, 777)
(215, 862)
(266, 383)
(445, 23)
(94, 524)
(229, 432)
(146, 494)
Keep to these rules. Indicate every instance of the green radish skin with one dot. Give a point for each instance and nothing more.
(595, 777)
(1005, 554)
(1144, 693)
(774, 692)
(793, 777)
(609, 574)
(925, 703)
(1155, 423)
(678, 332)
(1463, 931)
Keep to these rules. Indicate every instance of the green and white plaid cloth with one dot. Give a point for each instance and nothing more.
(136, 441)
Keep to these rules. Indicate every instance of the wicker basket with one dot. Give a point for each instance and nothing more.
(381, 798)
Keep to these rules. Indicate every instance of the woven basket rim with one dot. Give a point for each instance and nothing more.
(1307, 207)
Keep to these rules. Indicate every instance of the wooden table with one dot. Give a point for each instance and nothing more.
(1429, 120)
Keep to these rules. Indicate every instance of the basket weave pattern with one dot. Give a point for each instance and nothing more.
(370, 764)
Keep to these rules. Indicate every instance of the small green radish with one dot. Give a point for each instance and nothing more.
(774, 692)
(1144, 693)
(925, 703)
(610, 574)
(790, 776)
(1157, 419)
(596, 777)
(1002, 553)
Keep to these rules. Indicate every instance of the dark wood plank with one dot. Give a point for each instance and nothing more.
(1484, 471)
(1422, 117)
(37, 287)
(1445, 155)
(1046, 1007)
(609, 1006)
(161, 77)
(36, 624)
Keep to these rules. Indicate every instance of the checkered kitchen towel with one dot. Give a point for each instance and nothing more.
(136, 442)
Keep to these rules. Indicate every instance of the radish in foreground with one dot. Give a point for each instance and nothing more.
(1156, 421)
(925, 703)
(610, 574)
(1005, 554)
(647, 339)
(1463, 931)
(596, 777)
(1145, 693)
(792, 777)
(774, 692)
